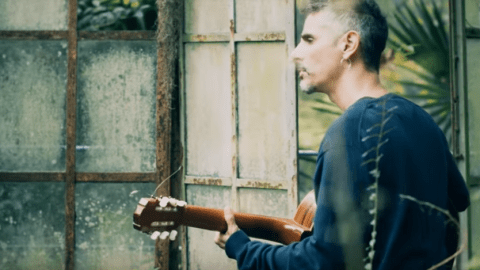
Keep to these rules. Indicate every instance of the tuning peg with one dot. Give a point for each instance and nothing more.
(173, 235)
(164, 201)
(154, 235)
(181, 203)
(164, 235)
(173, 202)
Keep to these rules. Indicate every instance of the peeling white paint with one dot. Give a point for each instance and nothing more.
(209, 110)
(262, 111)
(206, 16)
(201, 249)
(260, 16)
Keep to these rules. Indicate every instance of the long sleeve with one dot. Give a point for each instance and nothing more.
(400, 143)
(322, 250)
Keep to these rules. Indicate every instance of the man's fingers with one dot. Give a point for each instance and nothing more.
(229, 217)
(219, 240)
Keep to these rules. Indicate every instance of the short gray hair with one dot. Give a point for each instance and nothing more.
(364, 17)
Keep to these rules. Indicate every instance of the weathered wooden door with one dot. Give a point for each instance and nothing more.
(239, 114)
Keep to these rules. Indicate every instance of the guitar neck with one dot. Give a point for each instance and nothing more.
(269, 228)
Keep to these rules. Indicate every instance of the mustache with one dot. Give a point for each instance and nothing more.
(300, 67)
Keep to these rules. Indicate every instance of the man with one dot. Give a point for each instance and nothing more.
(380, 151)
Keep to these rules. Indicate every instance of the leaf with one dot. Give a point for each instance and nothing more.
(424, 35)
(422, 75)
(420, 96)
(327, 110)
(400, 34)
(441, 26)
(432, 28)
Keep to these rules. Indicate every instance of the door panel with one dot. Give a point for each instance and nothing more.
(239, 114)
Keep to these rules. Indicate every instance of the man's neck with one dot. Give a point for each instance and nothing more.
(354, 85)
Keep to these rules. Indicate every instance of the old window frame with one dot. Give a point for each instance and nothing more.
(163, 122)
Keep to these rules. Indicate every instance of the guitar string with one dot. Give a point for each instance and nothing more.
(163, 181)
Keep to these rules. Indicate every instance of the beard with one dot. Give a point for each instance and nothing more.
(306, 88)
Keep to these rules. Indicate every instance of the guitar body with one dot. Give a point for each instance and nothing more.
(153, 215)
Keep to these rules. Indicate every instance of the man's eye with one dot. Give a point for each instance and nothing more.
(308, 40)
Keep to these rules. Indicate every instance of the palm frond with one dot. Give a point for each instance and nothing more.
(434, 88)
(328, 110)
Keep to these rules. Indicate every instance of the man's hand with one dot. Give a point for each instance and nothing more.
(220, 238)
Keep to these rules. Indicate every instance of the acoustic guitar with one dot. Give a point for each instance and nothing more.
(163, 214)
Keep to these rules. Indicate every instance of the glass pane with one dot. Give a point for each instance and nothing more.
(116, 106)
(263, 111)
(33, 15)
(473, 65)
(208, 110)
(260, 16)
(475, 229)
(32, 105)
(206, 16)
(32, 225)
(472, 13)
(105, 238)
(201, 248)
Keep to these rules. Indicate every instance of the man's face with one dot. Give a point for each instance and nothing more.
(318, 54)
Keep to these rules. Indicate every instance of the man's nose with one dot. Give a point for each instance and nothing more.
(294, 56)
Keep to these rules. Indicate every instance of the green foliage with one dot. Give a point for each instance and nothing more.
(474, 263)
(327, 107)
(419, 34)
(94, 15)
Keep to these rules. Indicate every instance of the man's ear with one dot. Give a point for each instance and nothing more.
(350, 44)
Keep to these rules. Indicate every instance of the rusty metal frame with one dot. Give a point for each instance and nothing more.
(31, 177)
(79, 177)
(292, 168)
(234, 98)
(237, 37)
(459, 107)
(183, 136)
(116, 35)
(116, 177)
(71, 107)
(32, 35)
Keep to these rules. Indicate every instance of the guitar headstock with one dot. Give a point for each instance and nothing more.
(159, 216)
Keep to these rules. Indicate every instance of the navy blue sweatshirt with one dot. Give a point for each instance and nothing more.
(392, 142)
